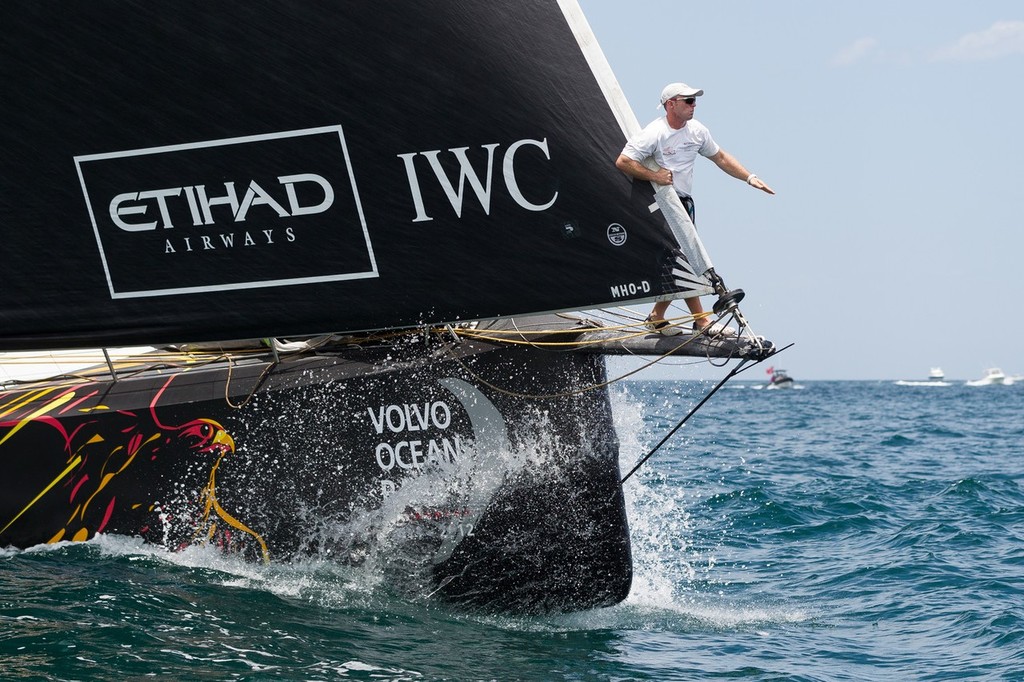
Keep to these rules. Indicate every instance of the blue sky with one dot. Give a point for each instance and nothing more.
(893, 133)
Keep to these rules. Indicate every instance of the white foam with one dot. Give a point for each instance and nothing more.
(671, 577)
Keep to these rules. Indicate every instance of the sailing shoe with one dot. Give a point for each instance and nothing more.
(716, 329)
(663, 327)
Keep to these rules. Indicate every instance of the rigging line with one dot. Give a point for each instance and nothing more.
(685, 419)
(743, 366)
(637, 317)
(767, 357)
(584, 324)
(448, 350)
(259, 382)
(576, 332)
(631, 326)
(512, 333)
(576, 343)
(724, 320)
(629, 331)
(89, 375)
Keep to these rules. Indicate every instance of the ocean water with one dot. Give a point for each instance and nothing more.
(837, 531)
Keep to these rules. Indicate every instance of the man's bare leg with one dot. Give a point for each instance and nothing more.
(693, 303)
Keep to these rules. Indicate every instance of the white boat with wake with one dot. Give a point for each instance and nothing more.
(993, 377)
(936, 377)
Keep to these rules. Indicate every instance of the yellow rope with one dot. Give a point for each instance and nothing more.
(259, 382)
(566, 394)
(544, 344)
(199, 357)
(498, 335)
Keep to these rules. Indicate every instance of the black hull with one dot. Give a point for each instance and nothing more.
(484, 474)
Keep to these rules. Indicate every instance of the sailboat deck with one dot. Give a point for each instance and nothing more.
(359, 354)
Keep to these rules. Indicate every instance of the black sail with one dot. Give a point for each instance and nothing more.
(202, 171)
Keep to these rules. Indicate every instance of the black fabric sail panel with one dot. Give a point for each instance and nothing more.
(204, 171)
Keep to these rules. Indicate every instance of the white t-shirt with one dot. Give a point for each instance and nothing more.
(673, 149)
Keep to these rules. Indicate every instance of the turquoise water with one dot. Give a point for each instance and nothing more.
(838, 531)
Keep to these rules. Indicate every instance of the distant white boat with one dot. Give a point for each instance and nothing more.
(936, 377)
(993, 377)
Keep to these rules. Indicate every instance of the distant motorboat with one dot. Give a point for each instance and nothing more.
(936, 377)
(993, 377)
(779, 378)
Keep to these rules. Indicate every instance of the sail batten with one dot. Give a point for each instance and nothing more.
(235, 171)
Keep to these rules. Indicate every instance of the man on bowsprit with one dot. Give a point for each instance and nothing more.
(674, 140)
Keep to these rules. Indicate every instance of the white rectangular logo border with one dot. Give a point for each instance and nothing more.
(256, 284)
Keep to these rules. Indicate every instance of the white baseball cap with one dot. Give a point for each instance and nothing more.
(679, 90)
